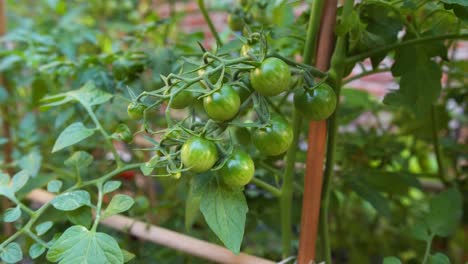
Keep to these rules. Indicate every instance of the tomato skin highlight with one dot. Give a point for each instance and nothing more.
(238, 170)
(199, 154)
(275, 138)
(223, 104)
(135, 110)
(271, 78)
(316, 104)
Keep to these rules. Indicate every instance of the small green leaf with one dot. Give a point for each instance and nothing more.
(111, 186)
(43, 227)
(391, 260)
(373, 197)
(73, 134)
(79, 159)
(54, 186)
(79, 245)
(145, 169)
(127, 255)
(89, 95)
(71, 200)
(192, 209)
(438, 258)
(225, 212)
(81, 216)
(12, 214)
(19, 180)
(36, 250)
(420, 230)
(119, 203)
(445, 212)
(11, 253)
(31, 162)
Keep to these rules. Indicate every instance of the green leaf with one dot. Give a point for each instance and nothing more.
(12, 214)
(89, 95)
(54, 186)
(111, 186)
(79, 159)
(192, 208)
(73, 134)
(79, 245)
(71, 200)
(31, 162)
(419, 83)
(445, 212)
(42, 228)
(420, 230)
(4, 178)
(39, 89)
(438, 258)
(127, 255)
(373, 197)
(36, 250)
(11, 253)
(391, 260)
(225, 212)
(8, 62)
(458, 2)
(19, 180)
(81, 216)
(119, 203)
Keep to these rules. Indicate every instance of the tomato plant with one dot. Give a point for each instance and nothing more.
(229, 129)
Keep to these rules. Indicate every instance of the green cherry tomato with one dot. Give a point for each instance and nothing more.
(135, 110)
(316, 104)
(223, 104)
(271, 78)
(199, 154)
(235, 22)
(275, 138)
(251, 49)
(182, 100)
(238, 170)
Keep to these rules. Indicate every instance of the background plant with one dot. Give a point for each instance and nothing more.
(100, 57)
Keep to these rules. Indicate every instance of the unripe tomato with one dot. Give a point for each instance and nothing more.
(135, 110)
(275, 138)
(235, 22)
(271, 78)
(223, 104)
(238, 170)
(182, 99)
(316, 104)
(199, 154)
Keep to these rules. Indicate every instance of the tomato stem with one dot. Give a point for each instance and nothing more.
(201, 5)
(287, 186)
(266, 186)
(387, 48)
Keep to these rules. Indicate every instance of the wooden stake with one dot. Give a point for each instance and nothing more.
(316, 149)
(165, 237)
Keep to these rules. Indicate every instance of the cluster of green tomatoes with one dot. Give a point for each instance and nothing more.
(224, 88)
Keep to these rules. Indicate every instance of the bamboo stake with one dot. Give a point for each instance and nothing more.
(316, 150)
(166, 237)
